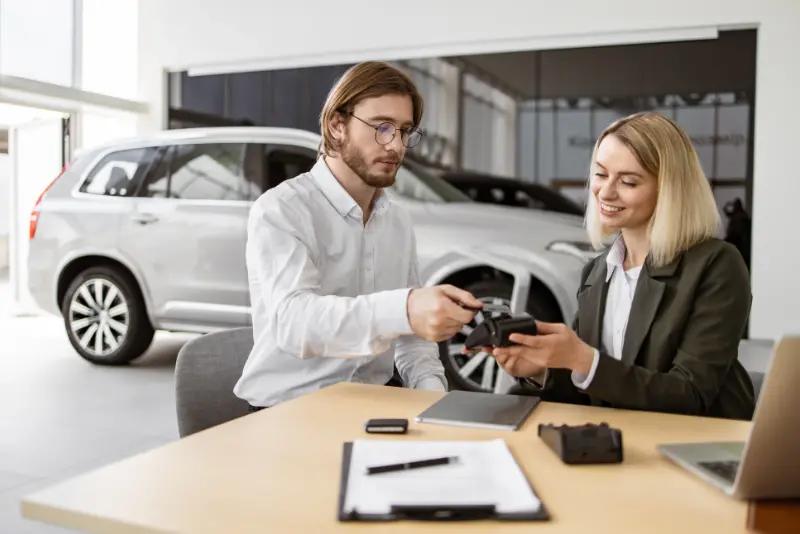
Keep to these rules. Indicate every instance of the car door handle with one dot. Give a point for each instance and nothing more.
(144, 218)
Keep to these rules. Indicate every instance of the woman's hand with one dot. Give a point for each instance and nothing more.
(512, 365)
(556, 346)
(515, 365)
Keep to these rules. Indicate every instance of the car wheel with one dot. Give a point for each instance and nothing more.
(105, 317)
(479, 372)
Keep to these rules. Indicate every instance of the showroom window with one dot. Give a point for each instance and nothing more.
(438, 82)
(34, 46)
(531, 115)
(119, 173)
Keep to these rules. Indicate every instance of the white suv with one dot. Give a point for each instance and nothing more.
(150, 234)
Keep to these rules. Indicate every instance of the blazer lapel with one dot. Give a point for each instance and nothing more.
(591, 306)
(643, 308)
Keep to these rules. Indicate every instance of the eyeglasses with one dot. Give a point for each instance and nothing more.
(385, 132)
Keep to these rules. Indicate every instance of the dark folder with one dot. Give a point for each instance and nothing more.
(482, 410)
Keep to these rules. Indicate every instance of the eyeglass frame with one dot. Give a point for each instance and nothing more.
(407, 131)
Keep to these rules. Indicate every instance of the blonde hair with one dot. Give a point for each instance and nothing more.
(686, 212)
(361, 81)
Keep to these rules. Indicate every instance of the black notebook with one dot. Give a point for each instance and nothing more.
(484, 410)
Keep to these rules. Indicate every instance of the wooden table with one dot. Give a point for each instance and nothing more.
(278, 471)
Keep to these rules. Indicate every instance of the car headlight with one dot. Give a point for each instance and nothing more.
(582, 250)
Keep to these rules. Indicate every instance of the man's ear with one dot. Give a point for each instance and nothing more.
(336, 127)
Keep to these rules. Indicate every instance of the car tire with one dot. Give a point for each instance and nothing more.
(105, 316)
(479, 372)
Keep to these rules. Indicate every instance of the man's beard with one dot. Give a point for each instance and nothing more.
(358, 164)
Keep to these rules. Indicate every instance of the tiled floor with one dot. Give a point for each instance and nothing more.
(61, 416)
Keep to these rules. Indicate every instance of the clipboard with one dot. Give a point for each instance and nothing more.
(428, 511)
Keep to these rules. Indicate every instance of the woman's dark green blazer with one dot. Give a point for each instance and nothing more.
(681, 345)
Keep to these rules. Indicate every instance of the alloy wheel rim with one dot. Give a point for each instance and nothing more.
(479, 370)
(99, 317)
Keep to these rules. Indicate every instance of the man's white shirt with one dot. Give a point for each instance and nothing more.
(328, 293)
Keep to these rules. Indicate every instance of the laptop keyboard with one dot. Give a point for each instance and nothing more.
(726, 470)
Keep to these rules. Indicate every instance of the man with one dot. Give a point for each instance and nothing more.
(331, 260)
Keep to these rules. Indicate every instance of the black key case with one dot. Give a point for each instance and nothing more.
(584, 444)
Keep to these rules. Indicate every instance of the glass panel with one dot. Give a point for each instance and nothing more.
(208, 172)
(732, 141)
(547, 160)
(574, 144)
(34, 45)
(477, 134)
(416, 182)
(489, 131)
(526, 148)
(282, 162)
(667, 112)
(268, 165)
(699, 126)
(157, 183)
(602, 119)
(119, 173)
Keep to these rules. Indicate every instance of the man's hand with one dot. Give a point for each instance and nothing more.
(438, 313)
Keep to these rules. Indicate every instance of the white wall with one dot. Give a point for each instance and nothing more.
(109, 46)
(195, 33)
(5, 204)
(98, 127)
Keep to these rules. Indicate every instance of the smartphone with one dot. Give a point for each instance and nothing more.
(386, 426)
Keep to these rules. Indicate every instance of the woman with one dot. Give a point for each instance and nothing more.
(661, 312)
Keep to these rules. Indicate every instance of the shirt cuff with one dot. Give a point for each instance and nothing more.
(391, 312)
(581, 380)
(431, 383)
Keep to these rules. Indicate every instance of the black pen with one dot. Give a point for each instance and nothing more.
(411, 465)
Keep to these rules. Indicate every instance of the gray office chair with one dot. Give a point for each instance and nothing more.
(205, 373)
(758, 380)
(754, 355)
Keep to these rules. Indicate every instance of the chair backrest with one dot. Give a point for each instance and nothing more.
(758, 380)
(205, 373)
(755, 355)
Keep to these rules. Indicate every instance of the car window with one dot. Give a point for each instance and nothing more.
(522, 198)
(267, 165)
(209, 171)
(157, 182)
(513, 193)
(415, 182)
(119, 173)
(555, 201)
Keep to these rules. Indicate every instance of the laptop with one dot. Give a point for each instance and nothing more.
(767, 465)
